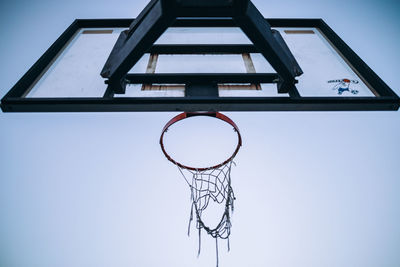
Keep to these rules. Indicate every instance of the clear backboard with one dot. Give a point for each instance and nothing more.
(199, 52)
(75, 72)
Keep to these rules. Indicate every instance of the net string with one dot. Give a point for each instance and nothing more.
(211, 185)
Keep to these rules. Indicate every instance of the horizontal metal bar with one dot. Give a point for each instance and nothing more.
(199, 104)
(202, 49)
(228, 22)
(199, 22)
(105, 23)
(295, 23)
(185, 78)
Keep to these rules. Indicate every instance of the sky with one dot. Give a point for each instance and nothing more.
(86, 189)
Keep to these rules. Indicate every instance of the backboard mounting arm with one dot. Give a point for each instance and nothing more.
(158, 15)
(133, 43)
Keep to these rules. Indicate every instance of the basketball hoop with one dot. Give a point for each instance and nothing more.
(205, 183)
(186, 115)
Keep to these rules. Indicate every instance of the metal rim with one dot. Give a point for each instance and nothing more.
(186, 115)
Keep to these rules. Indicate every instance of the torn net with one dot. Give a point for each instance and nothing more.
(213, 184)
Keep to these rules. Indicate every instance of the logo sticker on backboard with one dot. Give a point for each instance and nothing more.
(344, 85)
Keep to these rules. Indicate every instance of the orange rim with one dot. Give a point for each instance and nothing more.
(186, 115)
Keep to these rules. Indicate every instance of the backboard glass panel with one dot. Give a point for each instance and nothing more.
(324, 69)
(200, 64)
(331, 70)
(75, 71)
(203, 35)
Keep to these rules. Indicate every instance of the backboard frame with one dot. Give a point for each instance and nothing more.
(14, 100)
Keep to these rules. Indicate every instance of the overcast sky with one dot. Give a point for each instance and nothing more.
(313, 189)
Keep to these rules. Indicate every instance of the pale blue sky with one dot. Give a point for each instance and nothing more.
(313, 189)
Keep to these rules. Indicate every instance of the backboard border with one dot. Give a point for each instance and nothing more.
(14, 101)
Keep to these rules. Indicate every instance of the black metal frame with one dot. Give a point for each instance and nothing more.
(158, 15)
(386, 99)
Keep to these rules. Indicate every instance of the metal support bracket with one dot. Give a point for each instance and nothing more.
(158, 15)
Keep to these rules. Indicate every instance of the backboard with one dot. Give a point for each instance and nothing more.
(199, 64)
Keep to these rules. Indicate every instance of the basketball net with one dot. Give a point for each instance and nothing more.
(208, 184)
